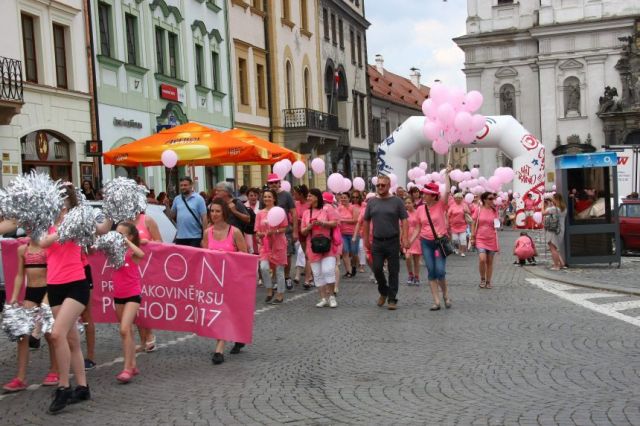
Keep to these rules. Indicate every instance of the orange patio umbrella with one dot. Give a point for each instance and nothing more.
(276, 151)
(195, 145)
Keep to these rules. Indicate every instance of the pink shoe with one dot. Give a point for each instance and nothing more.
(51, 379)
(135, 371)
(125, 376)
(15, 385)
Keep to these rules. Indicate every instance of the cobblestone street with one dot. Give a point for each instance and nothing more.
(516, 354)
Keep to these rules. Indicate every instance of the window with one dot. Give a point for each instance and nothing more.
(354, 115)
(341, 33)
(29, 42)
(362, 118)
(60, 55)
(359, 51)
(131, 24)
(505, 1)
(333, 29)
(215, 71)
(104, 23)
(289, 85)
(304, 20)
(325, 23)
(173, 55)
(352, 40)
(242, 79)
(286, 13)
(387, 132)
(262, 94)
(160, 50)
(199, 65)
(375, 130)
(307, 89)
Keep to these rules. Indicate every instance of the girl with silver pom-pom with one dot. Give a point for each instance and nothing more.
(68, 293)
(32, 264)
(126, 297)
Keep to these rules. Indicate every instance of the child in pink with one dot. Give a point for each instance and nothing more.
(525, 249)
(413, 253)
(126, 297)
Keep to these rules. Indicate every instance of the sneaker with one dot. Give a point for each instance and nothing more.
(463, 255)
(416, 281)
(15, 385)
(61, 398)
(381, 300)
(217, 358)
(34, 343)
(125, 376)
(277, 301)
(236, 348)
(135, 371)
(51, 379)
(392, 305)
(322, 303)
(79, 394)
(333, 303)
(288, 284)
(410, 280)
(89, 364)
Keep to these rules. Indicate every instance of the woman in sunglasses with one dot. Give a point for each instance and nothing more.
(485, 237)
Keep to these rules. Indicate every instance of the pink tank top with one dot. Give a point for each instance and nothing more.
(64, 263)
(141, 226)
(225, 245)
(126, 279)
(35, 260)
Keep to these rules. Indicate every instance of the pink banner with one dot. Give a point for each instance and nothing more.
(185, 289)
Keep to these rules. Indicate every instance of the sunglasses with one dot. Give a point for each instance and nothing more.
(490, 198)
(381, 185)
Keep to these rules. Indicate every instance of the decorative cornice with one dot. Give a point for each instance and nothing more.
(166, 10)
(570, 64)
(199, 24)
(215, 34)
(505, 72)
(596, 59)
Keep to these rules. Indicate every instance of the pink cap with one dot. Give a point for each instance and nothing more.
(273, 177)
(327, 197)
(431, 188)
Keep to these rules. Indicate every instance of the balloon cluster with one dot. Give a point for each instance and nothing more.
(124, 199)
(450, 117)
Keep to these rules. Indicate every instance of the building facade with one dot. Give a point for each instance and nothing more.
(394, 99)
(547, 63)
(45, 119)
(161, 63)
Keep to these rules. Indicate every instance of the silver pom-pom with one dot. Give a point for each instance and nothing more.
(78, 225)
(18, 321)
(112, 244)
(80, 326)
(34, 200)
(124, 199)
(45, 317)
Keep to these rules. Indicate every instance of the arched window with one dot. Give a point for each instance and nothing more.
(571, 88)
(47, 151)
(289, 85)
(343, 87)
(508, 100)
(330, 88)
(307, 88)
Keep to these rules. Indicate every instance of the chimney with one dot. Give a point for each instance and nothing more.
(380, 63)
(415, 77)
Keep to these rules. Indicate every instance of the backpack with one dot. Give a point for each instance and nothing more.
(552, 223)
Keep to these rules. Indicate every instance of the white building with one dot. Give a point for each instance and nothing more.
(161, 63)
(43, 50)
(546, 62)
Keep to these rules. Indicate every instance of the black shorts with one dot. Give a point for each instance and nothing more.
(76, 290)
(35, 294)
(89, 277)
(125, 300)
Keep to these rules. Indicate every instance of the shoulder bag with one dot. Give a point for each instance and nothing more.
(443, 243)
(184, 200)
(320, 244)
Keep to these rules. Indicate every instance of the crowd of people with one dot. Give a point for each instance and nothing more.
(332, 238)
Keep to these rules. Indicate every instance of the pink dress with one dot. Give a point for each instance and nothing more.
(228, 244)
(126, 279)
(438, 213)
(486, 235)
(414, 223)
(273, 247)
(323, 215)
(455, 214)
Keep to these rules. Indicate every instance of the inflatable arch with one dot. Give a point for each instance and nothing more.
(503, 132)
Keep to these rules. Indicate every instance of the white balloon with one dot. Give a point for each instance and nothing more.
(423, 166)
(359, 184)
(374, 180)
(285, 185)
(394, 179)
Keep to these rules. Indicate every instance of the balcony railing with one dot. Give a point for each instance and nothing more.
(10, 79)
(299, 118)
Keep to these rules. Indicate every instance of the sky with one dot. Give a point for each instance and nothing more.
(418, 33)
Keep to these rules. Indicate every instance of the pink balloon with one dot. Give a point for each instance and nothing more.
(423, 166)
(456, 97)
(335, 182)
(469, 198)
(317, 165)
(431, 130)
(423, 180)
(494, 182)
(462, 121)
(516, 195)
(453, 189)
(504, 174)
(394, 179)
(446, 114)
(553, 187)
(498, 201)
(280, 169)
(466, 175)
(439, 94)
(169, 158)
(473, 101)
(287, 164)
(440, 146)
(276, 216)
(374, 180)
(428, 109)
(298, 169)
(358, 183)
(346, 184)
(475, 173)
(411, 174)
(285, 186)
(456, 175)
(418, 172)
(537, 217)
(477, 122)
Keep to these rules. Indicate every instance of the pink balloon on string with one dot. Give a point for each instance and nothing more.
(358, 183)
(473, 101)
(439, 94)
(287, 164)
(423, 165)
(298, 169)
(335, 182)
(431, 130)
(446, 114)
(475, 173)
(276, 216)
(418, 172)
(317, 165)
(346, 184)
(374, 180)
(469, 198)
(280, 169)
(537, 217)
(169, 158)
(285, 186)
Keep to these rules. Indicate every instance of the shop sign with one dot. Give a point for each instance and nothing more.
(93, 148)
(169, 92)
(121, 122)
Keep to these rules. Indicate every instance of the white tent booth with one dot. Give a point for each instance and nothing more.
(503, 132)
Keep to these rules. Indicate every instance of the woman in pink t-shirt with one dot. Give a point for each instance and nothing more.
(433, 257)
(485, 237)
(300, 193)
(319, 222)
(359, 259)
(126, 297)
(272, 247)
(457, 223)
(348, 216)
(412, 254)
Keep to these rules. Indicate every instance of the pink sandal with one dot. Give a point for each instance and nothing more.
(125, 376)
(51, 379)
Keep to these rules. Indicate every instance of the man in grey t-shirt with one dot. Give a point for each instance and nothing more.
(389, 217)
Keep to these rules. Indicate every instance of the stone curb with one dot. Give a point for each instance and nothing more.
(586, 284)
